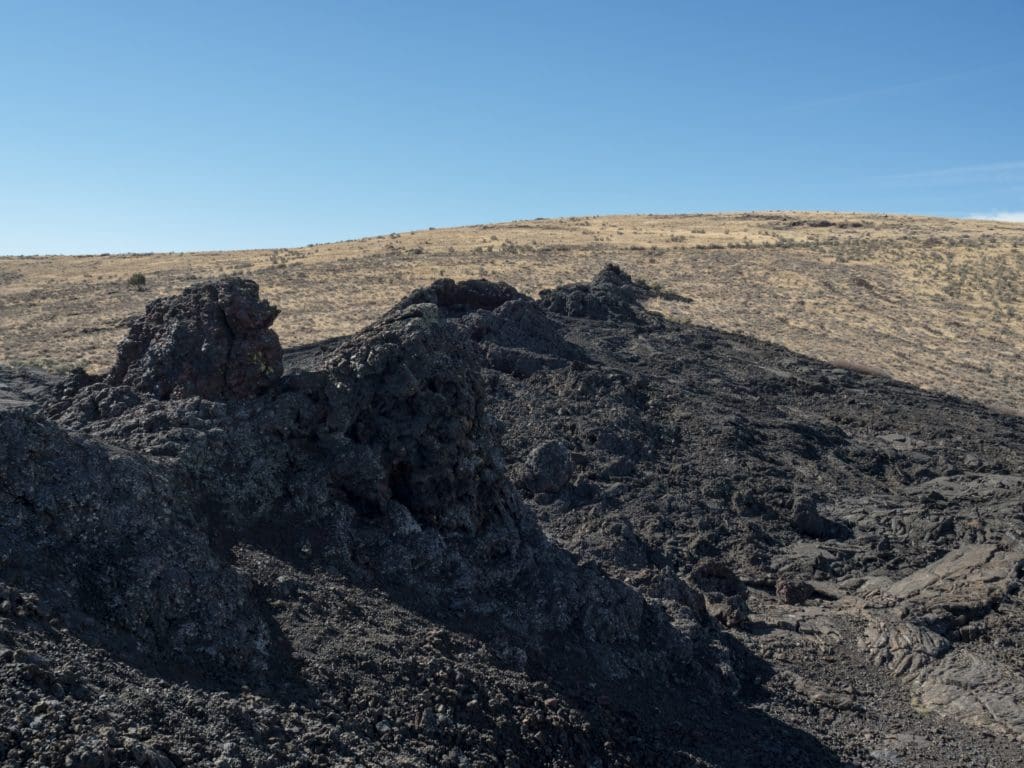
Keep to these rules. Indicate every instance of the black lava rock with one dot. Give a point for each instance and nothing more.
(212, 341)
(547, 468)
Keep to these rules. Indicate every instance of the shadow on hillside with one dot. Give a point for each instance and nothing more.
(657, 715)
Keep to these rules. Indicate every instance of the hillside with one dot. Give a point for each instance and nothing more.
(933, 302)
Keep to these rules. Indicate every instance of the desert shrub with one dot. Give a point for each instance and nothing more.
(137, 281)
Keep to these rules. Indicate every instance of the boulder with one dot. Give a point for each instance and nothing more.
(547, 469)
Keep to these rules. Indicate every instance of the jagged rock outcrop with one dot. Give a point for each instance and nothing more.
(409, 391)
(612, 294)
(212, 341)
(456, 298)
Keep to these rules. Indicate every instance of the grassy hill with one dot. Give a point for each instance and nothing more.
(934, 302)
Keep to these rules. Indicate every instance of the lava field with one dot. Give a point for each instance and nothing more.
(492, 530)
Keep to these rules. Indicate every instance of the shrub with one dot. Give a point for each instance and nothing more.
(137, 280)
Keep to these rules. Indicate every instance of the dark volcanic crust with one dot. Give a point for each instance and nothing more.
(702, 549)
(212, 341)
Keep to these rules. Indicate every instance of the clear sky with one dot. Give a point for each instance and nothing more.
(139, 126)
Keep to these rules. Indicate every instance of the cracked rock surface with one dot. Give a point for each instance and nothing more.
(491, 530)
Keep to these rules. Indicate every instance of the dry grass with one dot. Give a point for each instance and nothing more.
(934, 302)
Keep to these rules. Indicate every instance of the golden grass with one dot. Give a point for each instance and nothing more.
(934, 302)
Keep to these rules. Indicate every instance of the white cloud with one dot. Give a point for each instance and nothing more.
(1014, 216)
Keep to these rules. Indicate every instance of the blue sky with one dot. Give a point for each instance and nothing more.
(135, 126)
